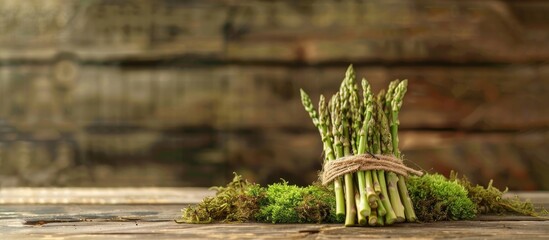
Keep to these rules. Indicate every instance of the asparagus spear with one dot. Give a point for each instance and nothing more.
(372, 219)
(389, 97)
(377, 186)
(326, 134)
(386, 148)
(394, 196)
(323, 123)
(341, 145)
(390, 216)
(374, 143)
(380, 220)
(392, 178)
(367, 126)
(381, 211)
(370, 193)
(308, 105)
(357, 111)
(361, 218)
(396, 104)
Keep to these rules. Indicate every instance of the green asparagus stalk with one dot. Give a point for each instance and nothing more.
(356, 110)
(308, 105)
(372, 219)
(377, 186)
(367, 129)
(370, 193)
(396, 104)
(389, 97)
(323, 125)
(361, 149)
(362, 220)
(381, 211)
(322, 122)
(368, 109)
(351, 212)
(374, 143)
(326, 134)
(394, 196)
(374, 140)
(393, 179)
(363, 207)
(380, 220)
(341, 145)
(347, 151)
(386, 148)
(370, 185)
(390, 216)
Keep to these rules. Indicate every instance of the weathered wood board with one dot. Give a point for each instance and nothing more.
(195, 125)
(281, 31)
(103, 196)
(516, 161)
(512, 160)
(170, 230)
(120, 221)
(263, 97)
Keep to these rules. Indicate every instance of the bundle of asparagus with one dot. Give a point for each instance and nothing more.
(362, 128)
(350, 124)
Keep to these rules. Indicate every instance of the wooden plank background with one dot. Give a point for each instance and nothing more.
(183, 93)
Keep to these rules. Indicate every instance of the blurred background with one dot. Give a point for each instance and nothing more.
(183, 93)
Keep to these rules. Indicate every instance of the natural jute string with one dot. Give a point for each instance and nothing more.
(364, 162)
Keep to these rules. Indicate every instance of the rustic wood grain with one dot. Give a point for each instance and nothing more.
(511, 160)
(102, 196)
(514, 160)
(439, 97)
(120, 221)
(282, 31)
(209, 87)
(170, 230)
(267, 97)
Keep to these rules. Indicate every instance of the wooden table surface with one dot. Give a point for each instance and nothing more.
(145, 213)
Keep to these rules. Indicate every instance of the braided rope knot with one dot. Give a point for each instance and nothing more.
(364, 162)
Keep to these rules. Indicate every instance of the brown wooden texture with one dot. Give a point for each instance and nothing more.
(283, 31)
(265, 97)
(124, 229)
(202, 123)
(121, 221)
(514, 160)
(183, 93)
(511, 160)
(103, 196)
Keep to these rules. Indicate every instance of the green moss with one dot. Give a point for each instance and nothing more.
(318, 205)
(237, 202)
(435, 198)
(490, 200)
(241, 201)
(279, 204)
(284, 203)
